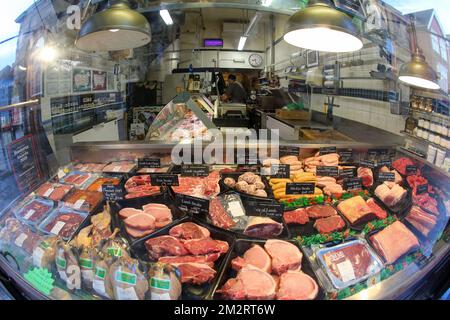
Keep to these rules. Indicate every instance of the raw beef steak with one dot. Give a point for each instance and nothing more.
(165, 246)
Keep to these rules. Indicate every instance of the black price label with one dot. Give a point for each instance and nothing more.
(347, 173)
(192, 205)
(289, 151)
(367, 163)
(327, 150)
(163, 179)
(327, 171)
(345, 155)
(384, 163)
(300, 188)
(153, 163)
(353, 184)
(386, 176)
(280, 171)
(423, 188)
(411, 170)
(194, 170)
(264, 209)
(113, 192)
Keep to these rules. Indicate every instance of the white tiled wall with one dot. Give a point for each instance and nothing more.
(374, 113)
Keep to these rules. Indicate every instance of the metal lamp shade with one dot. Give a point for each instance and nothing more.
(116, 28)
(321, 27)
(418, 73)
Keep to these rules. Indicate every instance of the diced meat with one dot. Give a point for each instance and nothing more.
(366, 176)
(250, 283)
(195, 273)
(401, 164)
(219, 217)
(189, 230)
(165, 246)
(206, 246)
(256, 256)
(285, 256)
(262, 227)
(390, 193)
(356, 210)
(329, 225)
(207, 259)
(140, 221)
(298, 216)
(394, 241)
(320, 211)
(296, 285)
(376, 209)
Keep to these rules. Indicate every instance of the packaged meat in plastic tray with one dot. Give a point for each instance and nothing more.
(53, 191)
(393, 197)
(120, 167)
(96, 185)
(35, 209)
(200, 259)
(80, 180)
(89, 167)
(132, 215)
(18, 238)
(312, 220)
(271, 258)
(348, 263)
(63, 222)
(84, 200)
(248, 184)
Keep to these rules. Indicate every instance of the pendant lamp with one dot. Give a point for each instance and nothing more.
(418, 72)
(321, 27)
(118, 27)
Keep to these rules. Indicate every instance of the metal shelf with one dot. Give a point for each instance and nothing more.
(423, 140)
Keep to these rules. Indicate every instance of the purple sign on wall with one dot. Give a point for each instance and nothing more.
(213, 43)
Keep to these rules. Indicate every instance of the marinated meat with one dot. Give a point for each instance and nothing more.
(84, 200)
(298, 216)
(219, 216)
(366, 176)
(140, 186)
(329, 225)
(285, 256)
(252, 284)
(349, 262)
(207, 259)
(189, 231)
(394, 241)
(390, 193)
(53, 191)
(296, 285)
(321, 211)
(423, 222)
(35, 211)
(206, 246)
(356, 210)
(415, 180)
(376, 209)
(65, 225)
(195, 273)
(256, 257)
(165, 246)
(97, 184)
(261, 227)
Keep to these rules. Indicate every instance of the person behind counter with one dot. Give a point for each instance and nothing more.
(235, 93)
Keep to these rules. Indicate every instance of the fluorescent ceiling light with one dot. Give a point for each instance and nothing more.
(242, 42)
(165, 15)
(22, 68)
(266, 3)
(113, 30)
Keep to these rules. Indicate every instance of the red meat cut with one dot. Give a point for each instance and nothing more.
(207, 259)
(195, 273)
(256, 256)
(250, 283)
(165, 246)
(296, 285)
(205, 246)
(285, 256)
(329, 225)
(298, 216)
(366, 176)
(219, 216)
(376, 209)
(188, 231)
(262, 227)
(321, 211)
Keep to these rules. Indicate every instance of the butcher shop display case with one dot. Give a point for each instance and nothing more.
(121, 221)
(182, 119)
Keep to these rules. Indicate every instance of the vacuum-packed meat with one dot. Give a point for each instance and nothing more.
(35, 210)
(53, 191)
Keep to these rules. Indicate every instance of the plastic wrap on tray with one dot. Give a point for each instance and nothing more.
(153, 170)
(228, 212)
(78, 179)
(89, 167)
(15, 235)
(53, 191)
(84, 200)
(35, 210)
(63, 222)
(120, 167)
(349, 263)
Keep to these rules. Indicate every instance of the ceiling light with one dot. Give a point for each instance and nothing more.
(100, 31)
(242, 42)
(48, 54)
(165, 15)
(22, 68)
(418, 73)
(266, 3)
(321, 27)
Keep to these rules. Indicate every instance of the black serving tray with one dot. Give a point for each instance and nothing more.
(235, 176)
(401, 208)
(240, 247)
(359, 226)
(190, 292)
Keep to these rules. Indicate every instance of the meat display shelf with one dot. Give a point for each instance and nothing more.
(399, 285)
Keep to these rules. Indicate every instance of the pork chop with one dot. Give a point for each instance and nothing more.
(140, 221)
(256, 256)
(285, 256)
(296, 285)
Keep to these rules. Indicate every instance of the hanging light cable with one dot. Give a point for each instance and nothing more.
(321, 27)
(418, 72)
